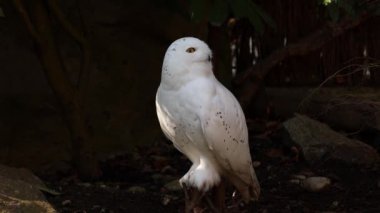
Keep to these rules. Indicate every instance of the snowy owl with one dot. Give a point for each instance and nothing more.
(204, 120)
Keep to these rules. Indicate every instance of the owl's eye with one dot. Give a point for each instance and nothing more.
(191, 50)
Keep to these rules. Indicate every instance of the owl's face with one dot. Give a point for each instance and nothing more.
(187, 57)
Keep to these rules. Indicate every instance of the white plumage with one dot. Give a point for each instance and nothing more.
(204, 120)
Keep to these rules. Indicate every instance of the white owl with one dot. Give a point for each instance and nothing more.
(204, 120)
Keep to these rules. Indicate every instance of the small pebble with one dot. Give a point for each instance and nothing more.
(315, 184)
(295, 181)
(256, 164)
(136, 190)
(335, 204)
(96, 207)
(66, 202)
(173, 186)
(168, 170)
(299, 177)
(85, 184)
(157, 177)
(166, 200)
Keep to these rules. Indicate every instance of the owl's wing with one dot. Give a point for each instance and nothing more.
(225, 130)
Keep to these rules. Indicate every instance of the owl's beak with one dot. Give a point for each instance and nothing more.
(209, 58)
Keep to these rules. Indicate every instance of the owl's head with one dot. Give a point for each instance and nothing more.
(187, 57)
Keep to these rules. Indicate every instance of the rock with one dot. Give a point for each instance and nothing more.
(167, 199)
(136, 190)
(295, 181)
(315, 184)
(66, 202)
(312, 184)
(20, 192)
(168, 170)
(157, 177)
(21, 174)
(256, 164)
(161, 179)
(173, 186)
(84, 184)
(335, 204)
(299, 177)
(103, 186)
(322, 145)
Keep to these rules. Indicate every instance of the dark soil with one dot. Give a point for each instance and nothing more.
(149, 169)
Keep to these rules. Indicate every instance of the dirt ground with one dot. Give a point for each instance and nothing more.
(137, 184)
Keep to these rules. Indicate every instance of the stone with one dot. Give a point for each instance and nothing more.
(256, 164)
(161, 178)
(168, 170)
(315, 184)
(66, 202)
(166, 199)
(299, 177)
(84, 184)
(323, 146)
(136, 190)
(173, 186)
(20, 192)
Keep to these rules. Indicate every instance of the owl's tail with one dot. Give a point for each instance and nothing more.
(249, 189)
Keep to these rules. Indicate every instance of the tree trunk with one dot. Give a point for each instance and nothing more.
(41, 30)
(218, 40)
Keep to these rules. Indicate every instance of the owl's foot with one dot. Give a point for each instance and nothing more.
(192, 199)
(220, 196)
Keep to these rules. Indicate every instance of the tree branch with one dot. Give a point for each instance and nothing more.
(25, 17)
(40, 27)
(79, 37)
(306, 45)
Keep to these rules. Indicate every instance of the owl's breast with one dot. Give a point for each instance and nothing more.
(179, 116)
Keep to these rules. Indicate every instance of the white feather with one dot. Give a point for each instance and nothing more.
(204, 120)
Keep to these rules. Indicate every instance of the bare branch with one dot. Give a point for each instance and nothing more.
(25, 17)
(79, 37)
